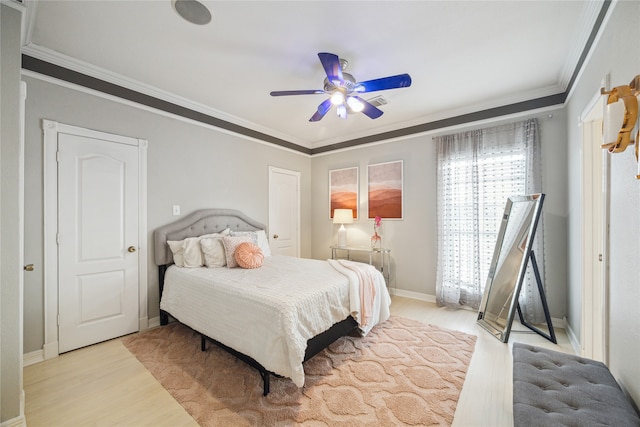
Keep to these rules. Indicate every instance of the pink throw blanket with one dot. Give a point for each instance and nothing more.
(367, 279)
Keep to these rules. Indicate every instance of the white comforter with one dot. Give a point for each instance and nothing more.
(269, 313)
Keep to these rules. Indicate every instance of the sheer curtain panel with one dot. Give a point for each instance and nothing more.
(477, 171)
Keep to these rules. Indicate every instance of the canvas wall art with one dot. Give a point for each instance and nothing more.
(385, 190)
(343, 190)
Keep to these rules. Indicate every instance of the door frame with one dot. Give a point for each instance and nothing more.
(50, 172)
(591, 241)
(272, 170)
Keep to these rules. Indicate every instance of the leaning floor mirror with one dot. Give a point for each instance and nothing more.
(512, 254)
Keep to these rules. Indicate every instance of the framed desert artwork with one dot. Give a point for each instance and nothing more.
(343, 190)
(385, 190)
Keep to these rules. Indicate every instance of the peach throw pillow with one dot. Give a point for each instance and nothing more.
(249, 255)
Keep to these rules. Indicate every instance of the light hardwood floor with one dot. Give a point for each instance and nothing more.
(104, 385)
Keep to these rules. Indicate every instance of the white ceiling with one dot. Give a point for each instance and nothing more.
(463, 56)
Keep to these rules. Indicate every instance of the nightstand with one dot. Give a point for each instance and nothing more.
(383, 262)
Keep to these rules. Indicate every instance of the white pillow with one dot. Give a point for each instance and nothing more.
(230, 244)
(192, 253)
(225, 232)
(263, 242)
(188, 253)
(252, 234)
(177, 249)
(213, 251)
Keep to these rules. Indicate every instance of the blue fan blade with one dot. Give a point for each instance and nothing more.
(331, 64)
(393, 82)
(370, 110)
(295, 92)
(322, 110)
(325, 106)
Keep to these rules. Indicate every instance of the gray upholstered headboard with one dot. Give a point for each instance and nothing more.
(196, 224)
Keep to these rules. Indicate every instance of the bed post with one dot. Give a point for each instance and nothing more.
(164, 317)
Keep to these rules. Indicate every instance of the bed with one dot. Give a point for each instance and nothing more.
(274, 317)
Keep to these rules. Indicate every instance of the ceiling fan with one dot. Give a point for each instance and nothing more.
(344, 89)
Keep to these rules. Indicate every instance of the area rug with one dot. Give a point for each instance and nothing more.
(403, 373)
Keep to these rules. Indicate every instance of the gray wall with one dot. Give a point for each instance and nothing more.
(196, 167)
(413, 240)
(617, 53)
(409, 239)
(10, 204)
(188, 165)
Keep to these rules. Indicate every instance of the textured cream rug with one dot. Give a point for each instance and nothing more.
(403, 373)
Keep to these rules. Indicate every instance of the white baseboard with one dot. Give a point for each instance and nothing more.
(557, 323)
(414, 295)
(573, 340)
(20, 421)
(143, 323)
(153, 322)
(32, 358)
(22, 404)
(50, 350)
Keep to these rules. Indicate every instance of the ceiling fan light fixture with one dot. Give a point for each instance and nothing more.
(342, 89)
(337, 98)
(355, 105)
(342, 111)
(192, 11)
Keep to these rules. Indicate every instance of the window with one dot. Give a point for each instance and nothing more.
(477, 172)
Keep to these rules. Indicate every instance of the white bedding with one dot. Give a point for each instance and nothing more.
(269, 313)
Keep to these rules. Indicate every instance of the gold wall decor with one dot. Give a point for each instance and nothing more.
(621, 118)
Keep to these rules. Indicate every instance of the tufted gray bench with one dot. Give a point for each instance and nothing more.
(557, 389)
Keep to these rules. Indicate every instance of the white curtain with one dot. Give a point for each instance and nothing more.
(477, 171)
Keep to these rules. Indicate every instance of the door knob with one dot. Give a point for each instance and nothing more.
(275, 236)
(131, 248)
(28, 267)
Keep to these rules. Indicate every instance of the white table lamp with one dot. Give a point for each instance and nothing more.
(342, 217)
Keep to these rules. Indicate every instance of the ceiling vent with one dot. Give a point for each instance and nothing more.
(377, 101)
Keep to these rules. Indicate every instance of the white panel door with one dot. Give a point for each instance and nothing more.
(595, 324)
(284, 211)
(98, 240)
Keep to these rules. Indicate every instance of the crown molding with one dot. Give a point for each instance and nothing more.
(451, 122)
(595, 17)
(73, 64)
(58, 74)
(14, 4)
(588, 23)
(58, 66)
(134, 104)
(29, 19)
(493, 104)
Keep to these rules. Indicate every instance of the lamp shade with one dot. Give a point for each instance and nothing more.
(342, 216)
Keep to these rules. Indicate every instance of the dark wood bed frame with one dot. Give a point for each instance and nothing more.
(215, 220)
